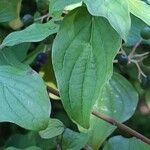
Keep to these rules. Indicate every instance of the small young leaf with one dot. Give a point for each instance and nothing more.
(118, 100)
(140, 9)
(54, 128)
(116, 11)
(119, 142)
(82, 60)
(23, 98)
(34, 33)
(73, 141)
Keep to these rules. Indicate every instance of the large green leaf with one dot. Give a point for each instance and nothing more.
(140, 9)
(82, 58)
(119, 142)
(57, 6)
(116, 11)
(54, 128)
(8, 10)
(23, 98)
(34, 33)
(73, 140)
(118, 100)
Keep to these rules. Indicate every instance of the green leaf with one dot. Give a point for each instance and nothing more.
(118, 100)
(116, 11)
(20, 51)
(134, 34)
(34, 33)
(17, 140)
(22, 141)
(56, 7)
(54, 128)
(29, 148)
(119, 142)
(23, 98)
(140, 9)
(7, 57)
(14, 55)
(8, 10)
(82, 60)
(73, 140)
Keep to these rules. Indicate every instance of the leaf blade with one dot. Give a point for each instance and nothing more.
(140, 9)
(118, 142)
(73, 140)
(54, 128)
(116, 11)
(56, 7)
(34, 33)
(118, 100)
(23, 98)
(29, 148)
(76, 58)
(8, 10)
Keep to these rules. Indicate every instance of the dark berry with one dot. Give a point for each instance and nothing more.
(145, 82)
(145, 33)
(27, 20)
(122, 59)
(36, 66)
(41, 58)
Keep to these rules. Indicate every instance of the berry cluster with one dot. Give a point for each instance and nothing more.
(123, 59)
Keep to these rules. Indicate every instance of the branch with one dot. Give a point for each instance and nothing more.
(111, 121)
(134, 48)
(121, 126)
(53, 91)
(140, 72)
(42, 17)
